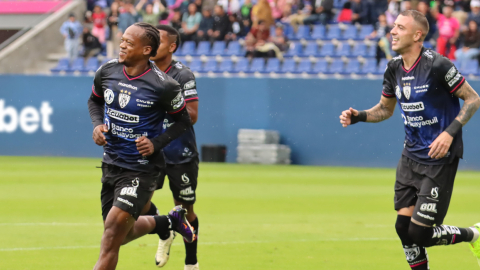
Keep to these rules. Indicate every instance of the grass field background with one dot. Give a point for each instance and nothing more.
(251, 217)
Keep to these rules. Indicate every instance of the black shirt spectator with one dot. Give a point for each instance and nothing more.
(220, 24)
(206, 25)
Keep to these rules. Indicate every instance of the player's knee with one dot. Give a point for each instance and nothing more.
(420, 235)
(402, 225)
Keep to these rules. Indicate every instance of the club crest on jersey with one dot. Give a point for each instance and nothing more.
(407, 90)
(124, 98)
(178, 65)
(109, 95)
(398, 92)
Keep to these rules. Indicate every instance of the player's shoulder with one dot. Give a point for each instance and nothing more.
(437, 60)
(111, 64)
(395, 62)
(166, 82)
(182, 70)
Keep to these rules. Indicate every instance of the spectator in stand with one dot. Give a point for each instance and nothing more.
(321, 12)
(299, 12)
(277, 9)
(99, 20)
(246, 12)
(279, 39)
(127, 17)
(235, 29)
(262, 12)
(91, 44)
(190, 23)
(230, 6)
(220, 24)
(205, 31)
(184, 6)
(448, 30)
(199, 4)
(474, 15)
(360, 12)
(382, 34)
(258, 43)
(425, 10)
(345, 15)
(176, 21)
(71, 31)
(471, 44)
(113, 42)
(151, 14)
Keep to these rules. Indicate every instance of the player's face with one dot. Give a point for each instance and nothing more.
(403, 33)
(132, 48)
(166, 47)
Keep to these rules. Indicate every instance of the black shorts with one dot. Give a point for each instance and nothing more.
(126, 189)
(183, 180)
(428, 187)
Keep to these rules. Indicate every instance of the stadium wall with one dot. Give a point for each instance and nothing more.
(51, 118)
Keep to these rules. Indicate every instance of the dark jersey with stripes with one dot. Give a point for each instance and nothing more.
(184, 148)
(427, 104)
(135, 107)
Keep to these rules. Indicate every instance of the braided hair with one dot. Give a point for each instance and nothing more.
(151, 35)
(171, 32)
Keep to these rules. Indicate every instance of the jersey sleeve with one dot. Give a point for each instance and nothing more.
(447, 74)
(388, 83)
(97, 84)
(172, 100)
(189, 86)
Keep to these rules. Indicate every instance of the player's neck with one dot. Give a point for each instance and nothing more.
(137, 69)
(163, 64)
(409, 58)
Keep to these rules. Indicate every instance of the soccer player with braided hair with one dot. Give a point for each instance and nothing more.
(129, 101)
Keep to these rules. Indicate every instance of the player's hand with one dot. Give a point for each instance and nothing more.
(98, 136)
(144, 146)
(439, 147)
(346, 117)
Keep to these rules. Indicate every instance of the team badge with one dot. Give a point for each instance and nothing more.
(407, 90)
(124, 98)
(178, 65)
(109, 95)
(412, 253)
(178, 101)
(398, 92)
(185, 178)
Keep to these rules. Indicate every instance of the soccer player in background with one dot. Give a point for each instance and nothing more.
(130, 98)
(427, 87)
(181, 155)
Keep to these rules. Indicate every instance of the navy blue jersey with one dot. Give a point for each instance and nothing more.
(135, 107)
(428, 106)
(184, 148)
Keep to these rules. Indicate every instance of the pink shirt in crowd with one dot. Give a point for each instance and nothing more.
(447, 27)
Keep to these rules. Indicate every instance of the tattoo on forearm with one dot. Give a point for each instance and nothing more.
(378, 113)
(471, 104)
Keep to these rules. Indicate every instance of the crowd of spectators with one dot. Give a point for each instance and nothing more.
(261, 23)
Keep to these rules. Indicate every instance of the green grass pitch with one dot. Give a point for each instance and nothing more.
(251, 216)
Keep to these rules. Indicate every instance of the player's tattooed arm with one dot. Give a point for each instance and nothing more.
(471, 104)
(382, 111)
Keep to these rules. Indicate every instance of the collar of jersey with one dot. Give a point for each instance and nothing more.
(416, 62)
(131, 79)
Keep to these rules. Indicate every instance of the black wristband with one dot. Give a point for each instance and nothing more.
(361, 117)
(454, 127)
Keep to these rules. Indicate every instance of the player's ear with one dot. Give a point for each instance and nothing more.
(147, 50)
(418, 35)
(172, 48)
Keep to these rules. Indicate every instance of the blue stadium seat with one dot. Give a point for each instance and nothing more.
(226, 66)
(343, 50)
(62, 65)
(360, 49)
(77, 65)
(218, 48)
(287, 30)
(181, 59)
(382, 66)
(105, 60)
(288, 66)
(336, 66)
(369, 67)
(196, 65)
(353, 66)
(372, 51)
(188, 48)
(303, 32)
(257, 65)
(427, 45)
(203, 48)
(170, 2)
(318, 32)
(334, 31)
(241, 65)
(321, 66)
(294, 49)
(273, 65)
(210, 65)
(233, 48)
(327, 49)
(311, 49)
(91, 65)
(350, 32)
(304, 66)
(471, 68)
(365, 30)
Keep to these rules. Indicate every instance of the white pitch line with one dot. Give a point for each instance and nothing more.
(212, 243)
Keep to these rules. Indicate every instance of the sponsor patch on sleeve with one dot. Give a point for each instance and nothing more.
(451, 73)
(178, 101)
(189, 85)
(191, 92)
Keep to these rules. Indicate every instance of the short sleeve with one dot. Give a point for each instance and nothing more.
(172, 100)
(97, 84)
(388, 90)
(189, 86)
(447, 74)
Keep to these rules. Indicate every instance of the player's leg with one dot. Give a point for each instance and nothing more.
(406, 186)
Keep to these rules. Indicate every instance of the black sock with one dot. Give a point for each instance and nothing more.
(416, 256)
(162, 227)
(439, 235)
(191, 248)
(153, 211)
